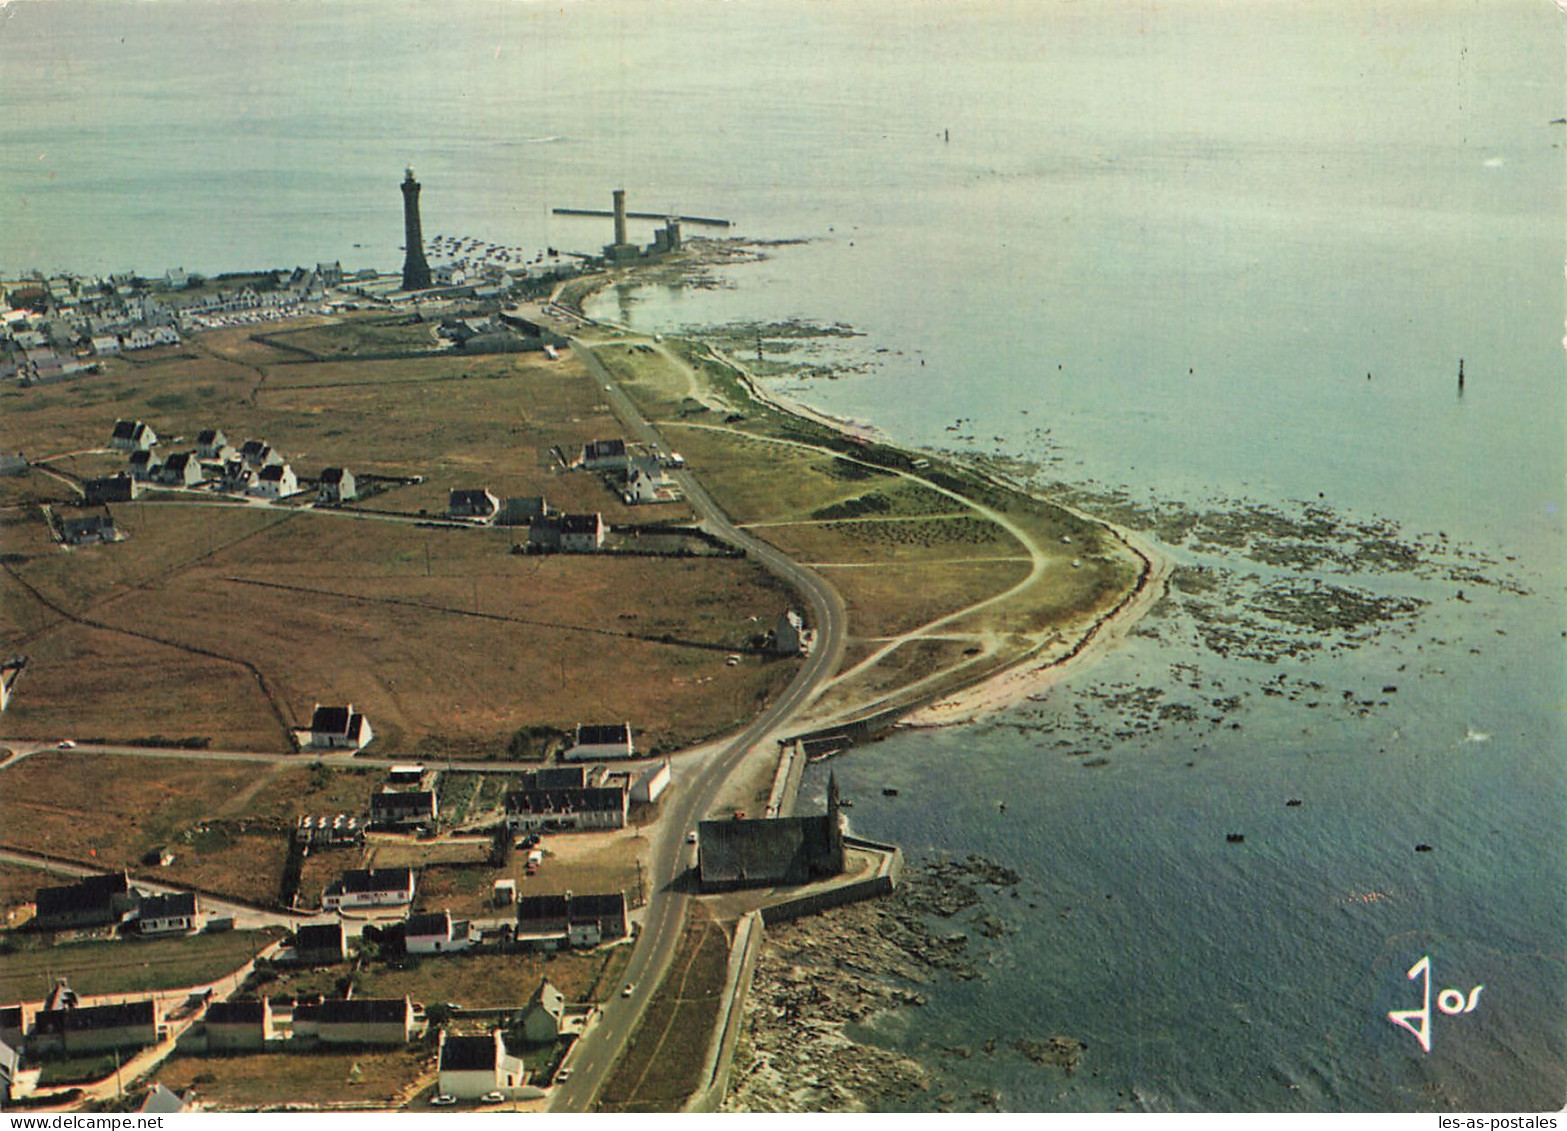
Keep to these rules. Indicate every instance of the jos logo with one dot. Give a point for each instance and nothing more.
(1449, 1001)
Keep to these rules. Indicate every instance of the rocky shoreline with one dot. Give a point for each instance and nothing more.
(822, 980)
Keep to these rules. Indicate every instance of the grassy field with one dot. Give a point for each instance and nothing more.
(226, 823)
(151, 622)
(662, 1065)
(129, 966)
(254, 1082)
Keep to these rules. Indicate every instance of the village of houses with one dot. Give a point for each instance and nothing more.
(488, 1055)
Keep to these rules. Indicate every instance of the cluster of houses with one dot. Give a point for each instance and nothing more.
(640, 476)
(111, 901)
(54, 326)
(571, 798)
(548, 529)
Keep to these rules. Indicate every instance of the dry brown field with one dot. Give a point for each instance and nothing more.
(230, 623)
(371, 1078)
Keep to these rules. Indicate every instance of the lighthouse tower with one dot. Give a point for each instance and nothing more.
(416, 271)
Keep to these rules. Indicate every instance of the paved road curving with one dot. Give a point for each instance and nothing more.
(597, 1050)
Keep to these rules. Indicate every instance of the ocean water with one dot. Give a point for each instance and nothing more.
(1150, 249)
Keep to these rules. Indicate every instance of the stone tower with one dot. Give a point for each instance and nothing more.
(416, 271)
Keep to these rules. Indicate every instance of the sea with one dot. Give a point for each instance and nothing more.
(1207, 267)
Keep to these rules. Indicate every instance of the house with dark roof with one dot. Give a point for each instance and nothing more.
(275, 481)
(234, 1026)
(339, 728)
(212, 444)
(82, 1029)
(469, 1067)
(550, 921)
(582, 533)
(370, 887)
(182, 469)
(143, 466)
(116, 488)
(771, 851)
(566, 808)
(475, 503)
(336, 485)
(543, 1020)
(603, 455)
(171, 914)
(356, 1021)
(258, 454)
(436, 933)
(95, 901)
(237, 475)
(603, 740)
(320, 944)
(521, 510)
(88, 528)
(132, 436)
(11, 1028)
(402, 809)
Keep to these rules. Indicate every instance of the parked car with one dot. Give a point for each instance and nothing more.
(66, 745)
(563, 1075)
(691, 837)
(493, 1098)
(441, 1099)
(627, 989)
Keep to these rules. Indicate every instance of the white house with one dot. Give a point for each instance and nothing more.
(172, 914)
(436, 933)
(602, 741)
(275, 481)
(470, 1067)
(182, 469)
(132, 436)
(212, 444)
(339, 728)
(336, 486)
(472, 503)
(370, 887)
(647, 482)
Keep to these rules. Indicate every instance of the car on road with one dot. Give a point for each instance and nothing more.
(493, 1098)
(563, 1075)
(441, 1099)
(66, 745)
(628, 989)
(691, 837)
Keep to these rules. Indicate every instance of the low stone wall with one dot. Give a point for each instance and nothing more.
(743, 954)
(884, 882)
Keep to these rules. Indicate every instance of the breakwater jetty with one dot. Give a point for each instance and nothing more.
(710, 221)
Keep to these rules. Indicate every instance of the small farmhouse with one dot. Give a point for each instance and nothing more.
(275, 481)
(143, 466)
(550, 921)
(544, 1019)
(472, 504)
(582, 533)
(258, 454)
(88, 528)
(320, 944)
(401, 809)
(237, 475)
(370, 887)
(83, 1029)
(521, 510)
(234, 1026)
(116, 488)
(474, 1066)
(357, 1021)
(132, 436)
(601, 741)
(339, 728)
(212, 444)
(95, 901)
(336, 485)
(789, 634)
(436, 933)
(182, 469)
(171, 914)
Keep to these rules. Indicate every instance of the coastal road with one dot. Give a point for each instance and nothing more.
(671, 887)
